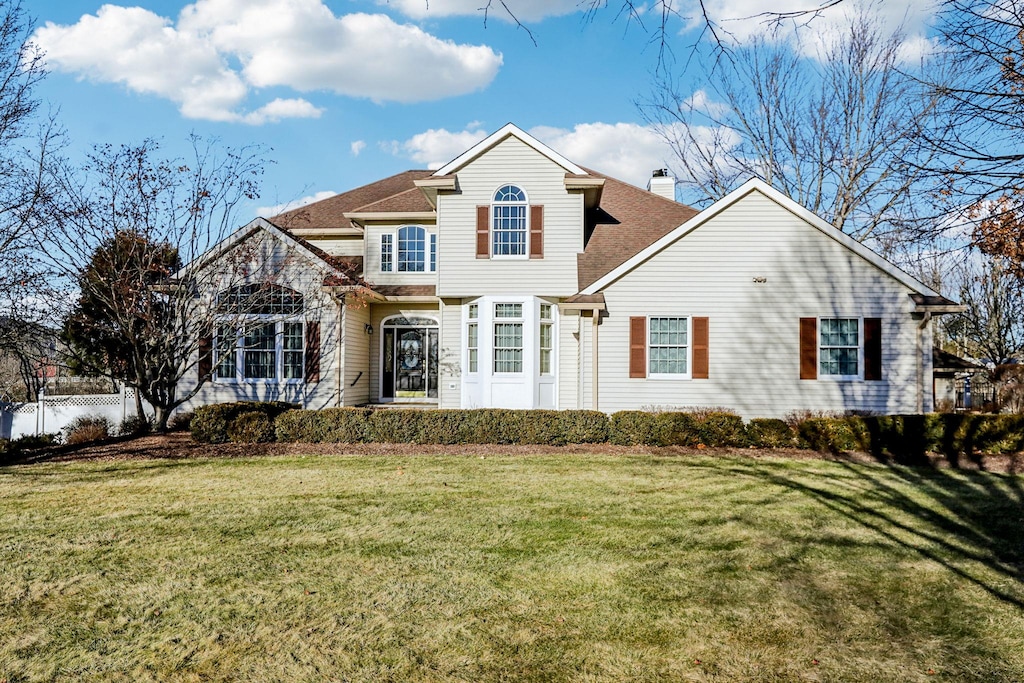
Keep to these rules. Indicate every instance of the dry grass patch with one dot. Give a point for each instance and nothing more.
(569, 567)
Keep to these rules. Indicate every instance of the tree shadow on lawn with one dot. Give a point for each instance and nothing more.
(959, 519)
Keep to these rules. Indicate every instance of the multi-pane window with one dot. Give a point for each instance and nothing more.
(416, 250)
(668, 345)
(508, 338)
(227, 351)
(547, 328)
(839, 351)
(473, 338)
(259, 357)
(387, 253)
(259, 334)
(291, 350)
(508, 222)
(412, 249)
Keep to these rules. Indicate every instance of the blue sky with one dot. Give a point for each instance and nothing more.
(349, 91)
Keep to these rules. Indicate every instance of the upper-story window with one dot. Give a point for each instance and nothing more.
(508, 222)
(415, 253)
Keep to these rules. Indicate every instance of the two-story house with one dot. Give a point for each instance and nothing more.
(512, 277)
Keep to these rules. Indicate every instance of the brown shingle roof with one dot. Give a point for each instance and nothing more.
(329, 213)
(408, 201)
(628, 221)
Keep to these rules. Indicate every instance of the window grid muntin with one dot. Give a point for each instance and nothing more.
(546, 346)
(433, 252)
(508, 347)
(386, 253)
(508, 310)
(259, 299)
(412, 249)
(508, 222)
(259, 354)
(226, 354)
(473, 346)
(668, 345)
(839, 347)
(292, 341)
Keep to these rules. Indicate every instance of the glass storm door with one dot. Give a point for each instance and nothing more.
(409, 362)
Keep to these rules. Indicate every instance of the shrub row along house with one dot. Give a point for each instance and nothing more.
(514, 278)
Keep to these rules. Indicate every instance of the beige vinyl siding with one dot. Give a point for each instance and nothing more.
(461, 274)
(339, 246)
(754, 327)
(356, 378)
(568, 361)
(378, 312)
(451, 353)
(271, 260)
(372, 262)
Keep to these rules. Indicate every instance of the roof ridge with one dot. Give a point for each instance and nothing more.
(384, 199)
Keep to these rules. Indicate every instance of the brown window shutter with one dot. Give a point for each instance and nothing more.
(536, 232)
(205, 363)
(312, 352)
(808, 348)
(483, 232)
(700, 348)
(638, 346)
(873, 348)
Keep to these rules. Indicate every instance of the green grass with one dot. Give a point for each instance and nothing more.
(576, 568)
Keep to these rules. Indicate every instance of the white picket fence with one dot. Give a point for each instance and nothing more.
(52, 413)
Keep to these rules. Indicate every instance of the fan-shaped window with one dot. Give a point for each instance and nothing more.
(508, 222)
(259, 299)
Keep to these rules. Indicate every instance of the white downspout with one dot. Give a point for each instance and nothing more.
(597, 319)
(339, 343)
(579, 361)
(920, 361)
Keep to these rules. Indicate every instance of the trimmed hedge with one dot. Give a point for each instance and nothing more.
(210, 424)
(907, 437)
(640, 428)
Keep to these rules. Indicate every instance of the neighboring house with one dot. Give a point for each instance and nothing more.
(512, 277)
(952, 380)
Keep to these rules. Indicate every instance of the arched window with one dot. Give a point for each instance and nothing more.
(412, 249)
(260, 334)
(508, 222)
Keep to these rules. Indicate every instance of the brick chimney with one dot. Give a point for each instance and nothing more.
(663, 184)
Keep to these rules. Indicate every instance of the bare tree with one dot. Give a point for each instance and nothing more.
(25, 142)
(979, 84)
(834, 132)
(117, 229)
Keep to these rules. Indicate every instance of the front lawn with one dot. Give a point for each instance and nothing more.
(554, 567)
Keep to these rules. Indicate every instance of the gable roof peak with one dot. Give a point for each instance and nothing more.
(508, 130)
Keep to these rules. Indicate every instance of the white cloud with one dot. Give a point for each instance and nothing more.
(627, 151)
(524, 10)
(288, 206)
(741, 20)
(357, 147)
(435, 148)
(298, 44)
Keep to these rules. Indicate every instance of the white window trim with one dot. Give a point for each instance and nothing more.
(678, 376)
(541, 322)
(239, 323)
(525, 256)
(859, 377)
(388, 237)
(495, 321)
(429, 251)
